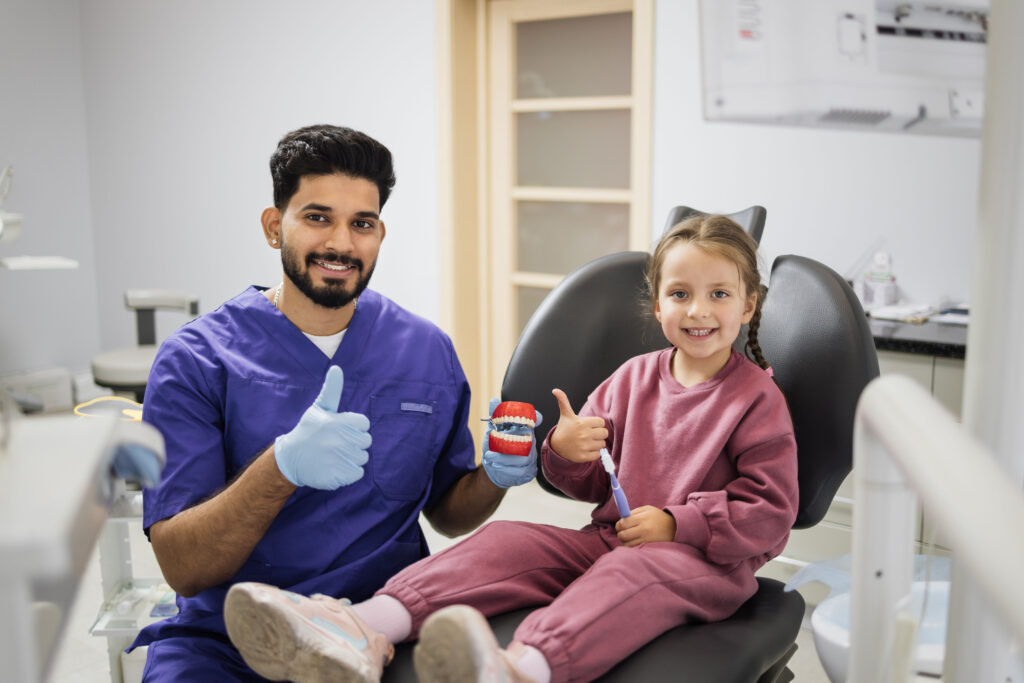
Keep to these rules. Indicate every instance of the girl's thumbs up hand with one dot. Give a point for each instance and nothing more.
(575, 438)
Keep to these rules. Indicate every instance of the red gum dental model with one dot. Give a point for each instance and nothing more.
(519, 417)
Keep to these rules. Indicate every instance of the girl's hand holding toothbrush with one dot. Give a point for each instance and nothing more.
(646, 524)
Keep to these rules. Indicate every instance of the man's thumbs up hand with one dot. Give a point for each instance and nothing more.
(327, 449)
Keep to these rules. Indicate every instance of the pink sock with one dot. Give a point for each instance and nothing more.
(386, 614)
(530, 661)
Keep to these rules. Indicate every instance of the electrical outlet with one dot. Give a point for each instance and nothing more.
(966, 104)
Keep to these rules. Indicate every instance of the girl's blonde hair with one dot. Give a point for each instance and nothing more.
(721, 236)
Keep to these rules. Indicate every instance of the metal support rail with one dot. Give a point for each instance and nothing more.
(907, 448)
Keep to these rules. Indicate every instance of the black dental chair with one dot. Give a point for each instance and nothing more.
(815, 335)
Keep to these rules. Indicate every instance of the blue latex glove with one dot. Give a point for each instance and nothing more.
(327, 449)
(135, 462)
(510, 470)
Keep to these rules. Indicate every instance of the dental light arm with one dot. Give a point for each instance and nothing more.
(10, 223)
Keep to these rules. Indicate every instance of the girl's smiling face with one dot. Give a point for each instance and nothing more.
(702, 303)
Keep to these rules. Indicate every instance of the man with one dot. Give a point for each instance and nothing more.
(308, 424)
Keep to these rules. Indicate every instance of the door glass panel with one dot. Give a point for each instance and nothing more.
(558, 237)
(527, 301)
(574, 57)
(574, 149)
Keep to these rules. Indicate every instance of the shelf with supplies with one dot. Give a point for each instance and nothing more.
(931, 353)
(130, 602)
(134, 605)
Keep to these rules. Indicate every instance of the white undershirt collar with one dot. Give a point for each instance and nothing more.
(328, 343)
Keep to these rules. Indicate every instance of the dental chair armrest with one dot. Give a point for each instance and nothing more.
(161, 298)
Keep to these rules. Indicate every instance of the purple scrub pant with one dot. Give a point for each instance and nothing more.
(603, 600)
(196, 659)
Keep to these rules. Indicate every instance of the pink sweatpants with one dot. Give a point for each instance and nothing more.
(604, 600)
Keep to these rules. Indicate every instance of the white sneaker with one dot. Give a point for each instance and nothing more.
(457, 645)
(284, 636)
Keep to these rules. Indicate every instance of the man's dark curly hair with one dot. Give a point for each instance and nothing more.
(325, 149)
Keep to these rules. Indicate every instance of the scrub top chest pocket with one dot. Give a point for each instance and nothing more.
(404, 427)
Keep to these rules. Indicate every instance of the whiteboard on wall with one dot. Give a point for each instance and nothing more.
(880, 65)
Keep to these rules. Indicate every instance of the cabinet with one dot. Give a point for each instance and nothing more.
(944, 378)
(131, 602)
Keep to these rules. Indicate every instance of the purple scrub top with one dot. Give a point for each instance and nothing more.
(225, 385)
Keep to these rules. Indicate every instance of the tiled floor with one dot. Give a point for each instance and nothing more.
(82, 658)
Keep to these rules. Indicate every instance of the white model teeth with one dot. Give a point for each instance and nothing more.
(522, 438)
(514, 420)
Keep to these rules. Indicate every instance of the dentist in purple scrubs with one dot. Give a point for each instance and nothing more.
(307, 424)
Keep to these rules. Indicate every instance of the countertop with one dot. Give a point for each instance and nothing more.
(929, 338)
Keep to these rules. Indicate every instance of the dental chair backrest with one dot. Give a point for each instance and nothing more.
(816, 337)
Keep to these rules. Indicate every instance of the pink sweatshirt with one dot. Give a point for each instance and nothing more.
(720, 457)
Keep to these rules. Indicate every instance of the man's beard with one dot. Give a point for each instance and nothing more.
(332, 294)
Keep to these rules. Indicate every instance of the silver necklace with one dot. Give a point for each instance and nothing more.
(277, 297)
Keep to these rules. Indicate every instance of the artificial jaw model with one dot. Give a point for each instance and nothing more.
(512, 433)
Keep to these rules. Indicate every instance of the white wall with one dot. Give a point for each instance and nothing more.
(185, 102)
(156, 176)
(830, 195)
(47, 317)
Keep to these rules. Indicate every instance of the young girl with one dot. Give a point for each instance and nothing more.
(703, 447)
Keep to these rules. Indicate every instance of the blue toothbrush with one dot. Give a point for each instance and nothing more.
(620, 497)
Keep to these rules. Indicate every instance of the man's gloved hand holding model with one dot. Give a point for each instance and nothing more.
(513, 464)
